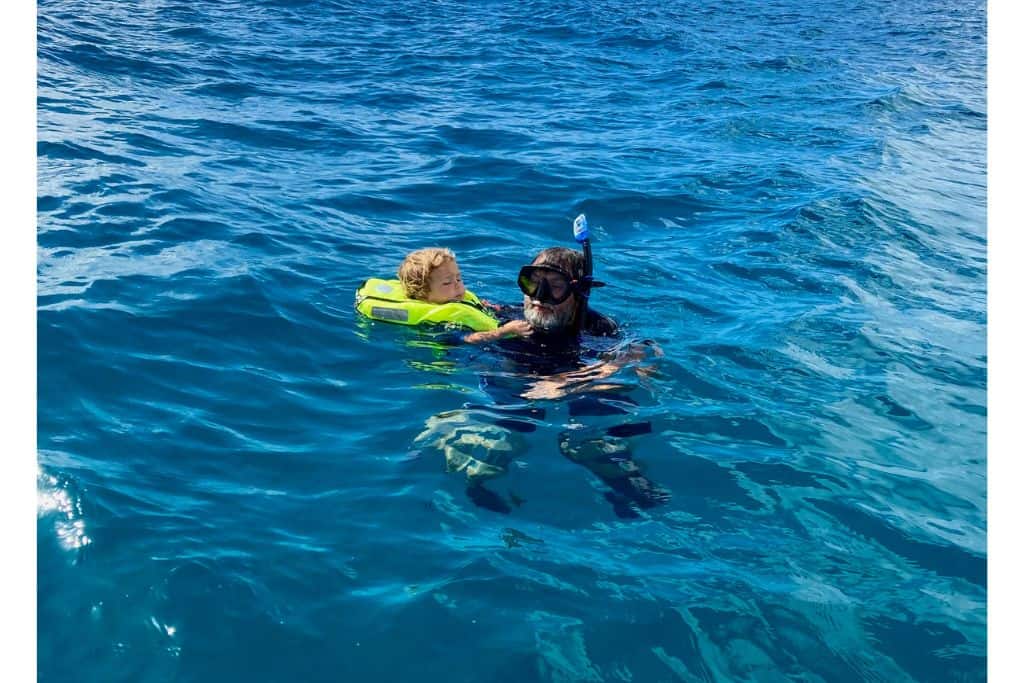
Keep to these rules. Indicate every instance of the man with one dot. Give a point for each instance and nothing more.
(556, 291)
(570, 347)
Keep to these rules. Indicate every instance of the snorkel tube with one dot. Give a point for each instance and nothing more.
(581, 233)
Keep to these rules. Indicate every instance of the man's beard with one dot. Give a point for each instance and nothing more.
(547, 320)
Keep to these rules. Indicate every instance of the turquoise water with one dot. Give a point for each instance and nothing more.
(241, 480)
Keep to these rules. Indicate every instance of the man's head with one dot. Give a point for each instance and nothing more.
(432, 275)
(554, 290)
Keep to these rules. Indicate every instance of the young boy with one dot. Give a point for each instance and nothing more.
(432, 275)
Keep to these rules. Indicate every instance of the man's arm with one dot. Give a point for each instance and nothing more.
(586, 378)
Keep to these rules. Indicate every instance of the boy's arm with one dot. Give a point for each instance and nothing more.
(514, 328)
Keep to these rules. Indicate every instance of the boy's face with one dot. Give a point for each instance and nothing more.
(445, 284)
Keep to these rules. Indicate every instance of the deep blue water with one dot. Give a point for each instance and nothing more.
(239, 480)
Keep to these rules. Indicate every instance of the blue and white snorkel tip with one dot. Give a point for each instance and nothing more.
(580, 230)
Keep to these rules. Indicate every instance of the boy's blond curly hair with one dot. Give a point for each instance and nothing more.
(416, 269)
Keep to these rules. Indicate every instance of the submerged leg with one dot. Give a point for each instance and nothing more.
(478, 446)
(620, 505)
(610, 459)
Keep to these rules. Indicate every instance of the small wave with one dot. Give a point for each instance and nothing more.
(116, 62)
(250, 134)
(194, 33)
(731, 428)
(148, 145)
(75, 152)
(86, 265)
(714, 85)
(483, 138)
(781, 279)
(229, 90)
(944, 560)
(782, 63)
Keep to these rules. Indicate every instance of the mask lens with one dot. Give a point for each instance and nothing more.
(545, 285)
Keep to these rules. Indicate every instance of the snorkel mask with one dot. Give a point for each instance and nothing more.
(547, 284)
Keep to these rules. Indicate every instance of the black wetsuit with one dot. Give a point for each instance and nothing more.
(602, 450)
(548, 353)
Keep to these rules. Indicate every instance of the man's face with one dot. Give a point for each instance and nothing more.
(549, 317)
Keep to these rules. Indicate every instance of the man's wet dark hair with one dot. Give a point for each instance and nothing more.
(569, 260)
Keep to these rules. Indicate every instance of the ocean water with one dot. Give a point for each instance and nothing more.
(240, 480)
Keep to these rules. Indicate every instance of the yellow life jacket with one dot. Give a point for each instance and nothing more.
(386, 300)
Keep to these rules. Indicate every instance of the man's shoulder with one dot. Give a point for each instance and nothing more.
(601, 325)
